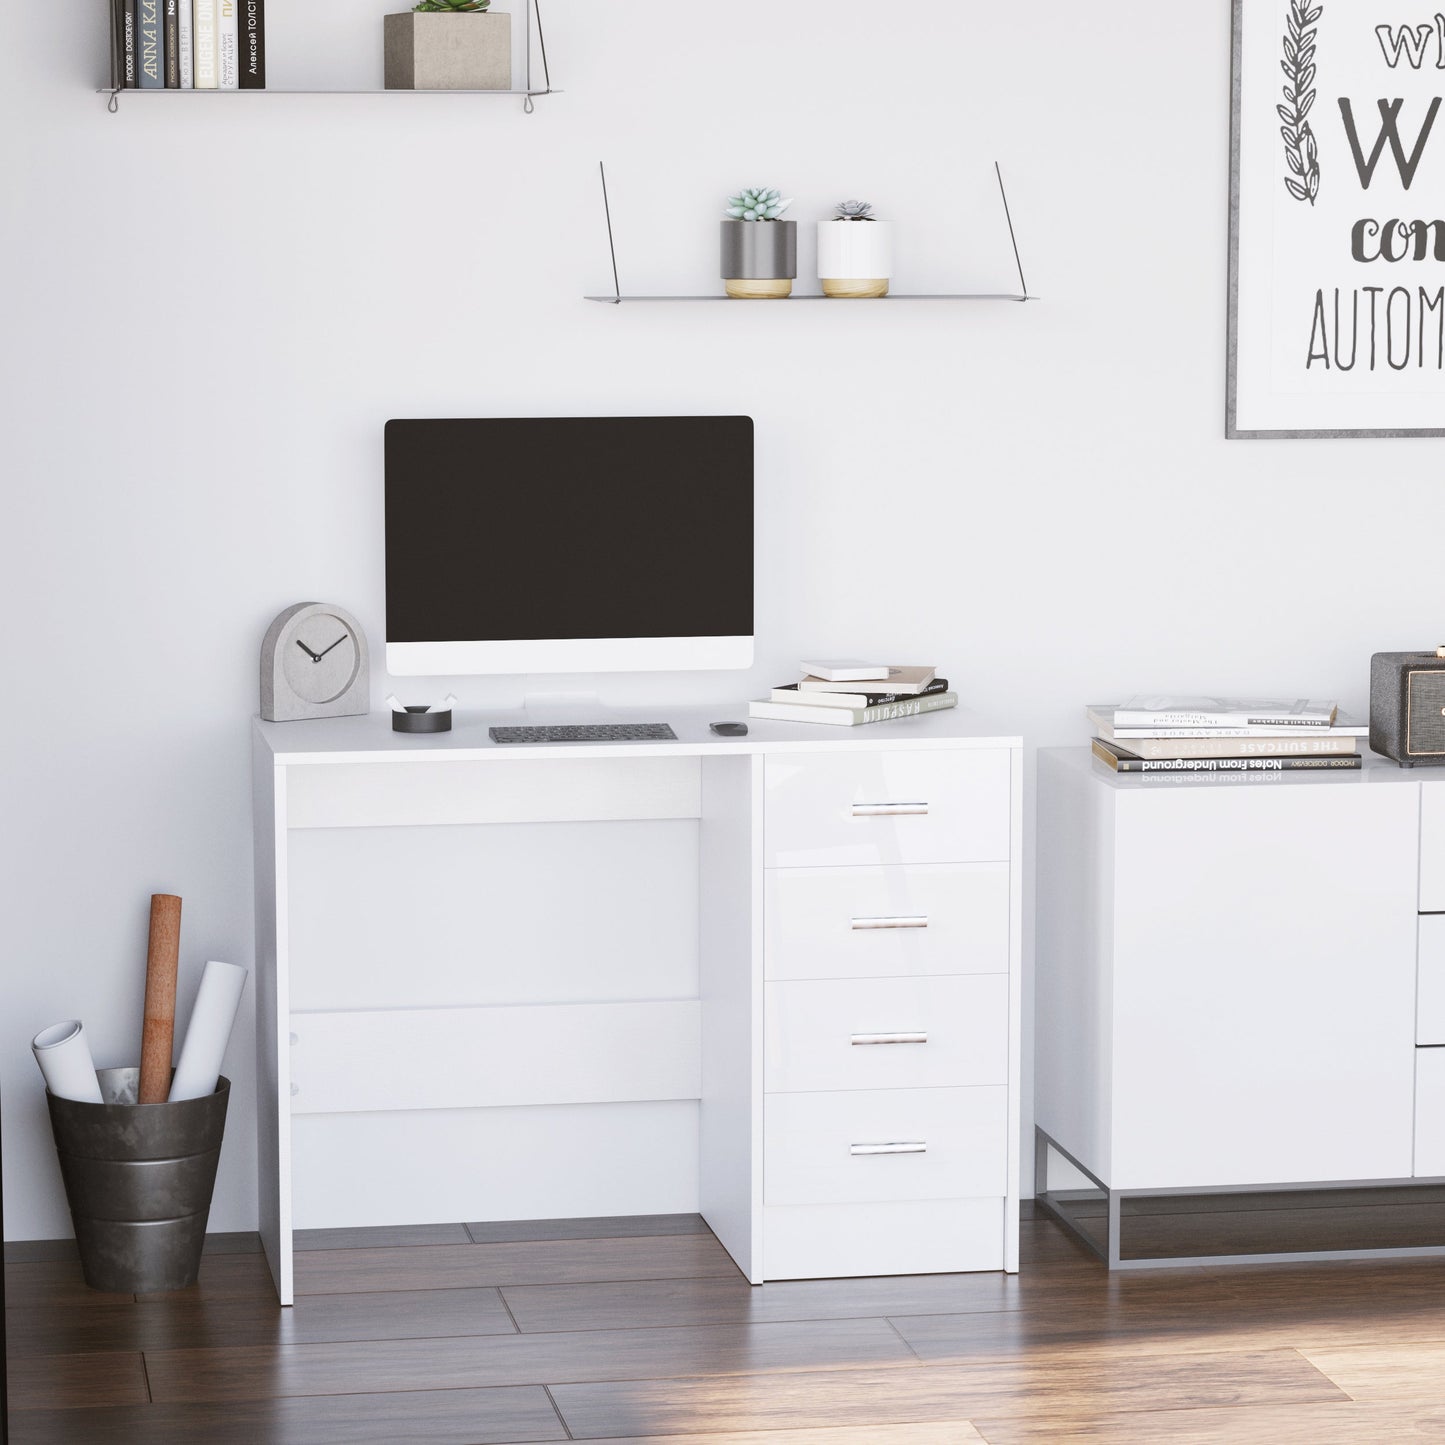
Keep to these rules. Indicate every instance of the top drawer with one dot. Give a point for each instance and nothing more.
(1432, 848)
(842, 809)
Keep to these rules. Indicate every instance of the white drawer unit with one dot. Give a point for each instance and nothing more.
(888, 808)
(1430, 980)
(1430, 1113)
(886, 1033)
(922, 918)
(885, 1144)
(1432, 847)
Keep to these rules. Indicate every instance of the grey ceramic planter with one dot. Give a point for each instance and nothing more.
(138, 1179)
(765, 252)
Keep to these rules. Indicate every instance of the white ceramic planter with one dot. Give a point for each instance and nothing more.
(855, 258)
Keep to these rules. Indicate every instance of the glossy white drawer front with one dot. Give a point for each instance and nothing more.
(841, 809)
(1432, 847)
(920, 918)
(881, 1144)
(889, 1033)
(1430, 981)
(920, 1236)
(1429, 1113)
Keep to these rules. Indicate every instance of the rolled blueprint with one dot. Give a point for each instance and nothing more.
(158, 1039)
(63, 1053)
(210, 1030)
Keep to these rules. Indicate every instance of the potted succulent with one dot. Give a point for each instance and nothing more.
(855, 252)
(449, 45)
(759, 252)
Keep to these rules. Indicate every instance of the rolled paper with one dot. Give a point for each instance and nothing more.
(158, 1037)
(63, 1053)
(209, 1031)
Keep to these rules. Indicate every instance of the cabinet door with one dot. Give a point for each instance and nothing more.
(1264, 986)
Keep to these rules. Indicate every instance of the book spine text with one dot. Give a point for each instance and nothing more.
(150, 46)
(183, 30)
(228, 45)
(253, 45)
(204, 24)
(173, 44)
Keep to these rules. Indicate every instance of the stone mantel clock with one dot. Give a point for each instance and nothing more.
(314, 664)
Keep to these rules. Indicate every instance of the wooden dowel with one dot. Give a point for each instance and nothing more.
(158, 1037)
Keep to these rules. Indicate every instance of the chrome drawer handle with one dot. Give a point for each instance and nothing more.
(913, 1038)
(907, 920)
(911, 1146)
(887, 810)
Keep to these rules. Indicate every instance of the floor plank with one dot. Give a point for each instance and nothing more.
(627, 1226)
(1398, 1371)
(1341, 1423)
(387, 1237)
(540, 1262)
(63, 1381)
(51, 1284)
(441, 1417)
(253, 1372)
(990, 1389)
(951, 1432)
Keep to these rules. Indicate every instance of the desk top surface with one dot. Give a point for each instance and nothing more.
(370, 738)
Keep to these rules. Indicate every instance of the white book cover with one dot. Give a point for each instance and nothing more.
(845, 669)
(228, 44)
(1103, 717)
(184, 26)
(1145, 710)
(203, 34)
(891, 679)
(851, 716)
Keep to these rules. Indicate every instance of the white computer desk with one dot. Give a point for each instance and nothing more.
(772, 978)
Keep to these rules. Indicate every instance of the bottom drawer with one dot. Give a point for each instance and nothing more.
(885, 1144)
(1430, 1113)
(930, 1236)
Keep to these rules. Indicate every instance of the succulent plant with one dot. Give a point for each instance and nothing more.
(854, 211)
(451, 7)
(757, 204)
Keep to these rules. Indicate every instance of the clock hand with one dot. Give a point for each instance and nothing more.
(312, 655)
(337, 643)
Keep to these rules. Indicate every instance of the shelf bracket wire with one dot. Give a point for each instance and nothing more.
(1023, 285)
(113, 104)
(611, 245)
(542, 44)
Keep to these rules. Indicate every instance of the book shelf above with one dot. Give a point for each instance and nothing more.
(1022, 294)
(525, 96)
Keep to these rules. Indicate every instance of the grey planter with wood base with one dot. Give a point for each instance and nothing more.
(138, 1179)
(759, 259)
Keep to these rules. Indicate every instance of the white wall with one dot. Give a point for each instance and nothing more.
(211, 307)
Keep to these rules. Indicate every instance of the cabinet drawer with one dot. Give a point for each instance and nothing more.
(1429, 1113)
(849, 1148)
(870, 922)
(921, 1236)
(890, 1033)
(1432, 847)
(1430, 981)
(888, 807)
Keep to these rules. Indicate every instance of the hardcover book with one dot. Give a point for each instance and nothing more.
(1303, 745)
(184, 29)
(1102, 716)
(149, 46)
(172, 29)
(1216, 712)
(228, 44)
(204, 26)
(1124, 762)
(253, 45)
(791, 692)
(125, 43)
(909, 680)
(846, 669)
(851, 716)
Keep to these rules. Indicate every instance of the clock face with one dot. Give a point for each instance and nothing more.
(320, 657)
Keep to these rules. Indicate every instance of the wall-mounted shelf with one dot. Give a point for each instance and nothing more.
(526, 92)
(1022, 294)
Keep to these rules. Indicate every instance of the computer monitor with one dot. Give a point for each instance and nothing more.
(569, 544)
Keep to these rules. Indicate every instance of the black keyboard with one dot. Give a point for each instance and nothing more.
(587, 733)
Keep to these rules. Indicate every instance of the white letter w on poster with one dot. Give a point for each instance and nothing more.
(1389, 133)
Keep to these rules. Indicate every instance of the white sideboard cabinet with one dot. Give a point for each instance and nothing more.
(1240, 980)
(772, 978)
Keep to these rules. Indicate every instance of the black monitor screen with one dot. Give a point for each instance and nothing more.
(585, 527)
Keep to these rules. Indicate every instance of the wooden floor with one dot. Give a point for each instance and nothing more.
(636, 1330)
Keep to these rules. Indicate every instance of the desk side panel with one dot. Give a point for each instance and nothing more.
(1073, 966)
(731, 986)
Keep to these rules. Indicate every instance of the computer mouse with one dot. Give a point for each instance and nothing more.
(730, 729)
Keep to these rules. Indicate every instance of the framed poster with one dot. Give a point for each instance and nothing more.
(1337, 219)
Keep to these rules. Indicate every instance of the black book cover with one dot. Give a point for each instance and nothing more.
(173, 46)
(125, 43)
(149, 46)
(875, 699)
(253, 44)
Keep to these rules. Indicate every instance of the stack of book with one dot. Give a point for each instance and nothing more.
(845, 692)
(190, 44)
(1225, 735)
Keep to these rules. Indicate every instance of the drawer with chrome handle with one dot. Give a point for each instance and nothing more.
(885, 1033)
(923, 918)
(905, 806)
(844, 1148)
